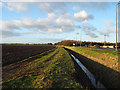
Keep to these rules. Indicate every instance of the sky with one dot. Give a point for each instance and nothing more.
(51, 22)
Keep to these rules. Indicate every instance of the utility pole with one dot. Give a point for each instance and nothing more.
(104, 39)
(116, 21)
(116, 27)
(76, 37)
(80, 38)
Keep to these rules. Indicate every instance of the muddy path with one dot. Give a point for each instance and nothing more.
(107, 76)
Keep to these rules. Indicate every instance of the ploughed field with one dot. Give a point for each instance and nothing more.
(53, 67)
(11, 54)
(50, 69)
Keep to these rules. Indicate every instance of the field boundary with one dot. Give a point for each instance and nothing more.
(105, 58)
(105, 75)
(96, 83)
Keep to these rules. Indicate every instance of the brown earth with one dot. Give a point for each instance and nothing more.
(11, 54)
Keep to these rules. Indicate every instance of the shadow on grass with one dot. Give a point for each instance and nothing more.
(22, 82)
(109, 77)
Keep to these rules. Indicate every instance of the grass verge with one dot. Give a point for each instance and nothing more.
(106, 75)
(105, 57)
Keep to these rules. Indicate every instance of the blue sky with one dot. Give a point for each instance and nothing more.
(53, 22)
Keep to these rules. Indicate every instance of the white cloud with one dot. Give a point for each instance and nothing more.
(91, 5)
(62, 25)
(52, 15)
(44, 25)
(52, 7)
(6, 34)
(58, 30)
(61, 22)
(66, 16)
(1, 4)
(19, 6)
(90, 33)
(6, 25)
(39, 23)
(33, 32)
(82, 15)
(85, 22)
(64, 22)
(109, 28)
(45, 7)
(107, 31)
(108, 23)
(89, 30)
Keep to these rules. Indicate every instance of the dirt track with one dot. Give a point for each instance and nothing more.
(107, 76)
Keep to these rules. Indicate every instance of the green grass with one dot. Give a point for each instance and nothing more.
(22, 82)
(108, 58)
(51, 69)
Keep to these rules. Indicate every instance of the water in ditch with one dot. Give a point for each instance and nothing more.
(97, 84)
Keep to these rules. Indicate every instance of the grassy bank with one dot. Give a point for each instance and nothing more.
(106, 75)
(105, 57)
(52, 69)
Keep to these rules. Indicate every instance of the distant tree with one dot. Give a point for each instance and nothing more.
(70, 43)
(49, 44)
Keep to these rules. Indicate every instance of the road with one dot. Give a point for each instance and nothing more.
(111, 49)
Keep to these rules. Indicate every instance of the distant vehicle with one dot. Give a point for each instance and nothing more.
(108, 46)
(96, 46)
(73, 44)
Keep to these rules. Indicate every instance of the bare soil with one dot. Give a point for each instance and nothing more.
(11, 54)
